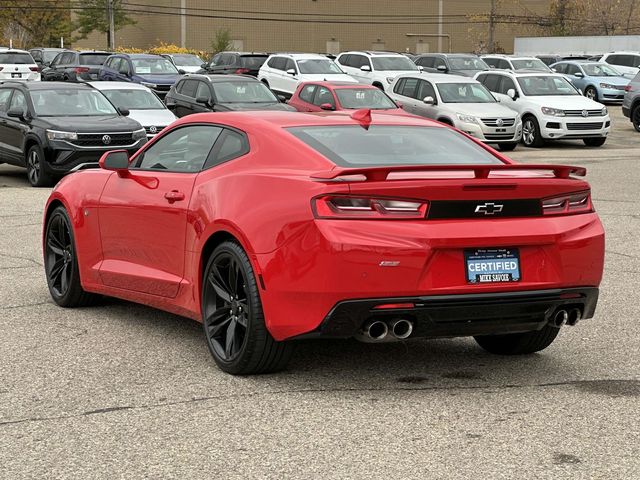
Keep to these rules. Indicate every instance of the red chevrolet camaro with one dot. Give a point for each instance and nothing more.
(273, 226)
(319, 96)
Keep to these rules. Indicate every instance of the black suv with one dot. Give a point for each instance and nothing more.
(239, 63)
(73, 66)
(220, 93)
(464, 64)
(55, 128)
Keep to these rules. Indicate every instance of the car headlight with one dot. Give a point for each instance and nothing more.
(390, 79)
(149, 85)
(60, 135)
(605, 111)
(554, 112)
(467, 118)
(607, 86)
(138, 134)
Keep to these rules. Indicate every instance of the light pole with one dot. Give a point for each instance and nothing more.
(112, 25)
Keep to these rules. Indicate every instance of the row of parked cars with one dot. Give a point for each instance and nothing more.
(102, 101)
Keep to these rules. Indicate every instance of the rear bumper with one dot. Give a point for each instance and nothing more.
(461, 315)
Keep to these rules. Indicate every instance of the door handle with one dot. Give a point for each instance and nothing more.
(174, 196)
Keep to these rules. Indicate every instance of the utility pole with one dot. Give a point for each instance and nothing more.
(440, 13)
(492, 16)
(112, 25)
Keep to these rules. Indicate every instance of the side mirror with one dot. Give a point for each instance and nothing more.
(420, 67)
(206, 101)
(511, 93)
(578, 75)
(17, 113)
(429, 100)
(116, 161)
(442, 68)
(365, 68)
(291, 71)
(327, 106)
(204, 66)
(123, 111)
(181, 71)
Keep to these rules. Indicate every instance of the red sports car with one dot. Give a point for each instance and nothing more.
(274, 226)
(319, 96)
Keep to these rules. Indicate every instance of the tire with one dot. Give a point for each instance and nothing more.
(591, 93)
(61, 262)
(507, 147)
(230, 297)
(36, 171)
(594, 142)
(518, 343)
(531, 136)
(635, 117)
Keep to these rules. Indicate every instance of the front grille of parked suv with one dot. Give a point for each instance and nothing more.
(493, 122)
(100, 140)
(578, 113)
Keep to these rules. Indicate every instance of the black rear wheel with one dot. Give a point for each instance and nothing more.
(233, 320)
(635, 117)
(36, 169)
(519, 343)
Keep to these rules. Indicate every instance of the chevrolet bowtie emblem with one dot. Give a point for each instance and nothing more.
(489, 208)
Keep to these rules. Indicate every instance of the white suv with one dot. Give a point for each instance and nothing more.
(283, 72)
(627, 63)
(550, 106)
(18, 65)
(504, 62)
(376, 68)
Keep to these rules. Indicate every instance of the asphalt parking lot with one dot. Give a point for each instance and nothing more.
(124, 391)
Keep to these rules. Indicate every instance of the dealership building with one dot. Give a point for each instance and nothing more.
(325, 26)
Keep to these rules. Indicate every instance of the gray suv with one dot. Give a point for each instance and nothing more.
(463, 64)
(631, 102)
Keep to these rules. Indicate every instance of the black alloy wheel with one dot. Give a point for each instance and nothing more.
(531, 136)
(36, 173)
(233, 320)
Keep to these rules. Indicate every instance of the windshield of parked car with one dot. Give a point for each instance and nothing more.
(529, 64)
(70, 103)
(357, 98)
(16, 58)
(464, 93)
(93, 58)
(539, 85)
(187, 60)
(354, 146)
(393, 63)
(155, 66)
(243, 92)
(600, 70)
(319, 66)
(131, 99)
(467, 63)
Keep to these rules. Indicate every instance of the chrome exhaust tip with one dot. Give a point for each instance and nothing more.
(574, 316)
(560, 318)
(377, 330)
(401, 329)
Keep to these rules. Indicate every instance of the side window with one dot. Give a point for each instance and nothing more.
(409, 88)
(203, 90)
(426, 90)
(215, 60)
(37, 55)
(307, 92)
(492, 62)
(68, 58)
(230, 145)
(183, 150)
(345, 60)
(123, 66)
(439, 62)
(426, 62)
(505, 85)
(504, 64)
(56, 60)
(179, 86)
(399, 86)
(189, 88)
(323, 96)
(290, 65)
(635, 61)
(561, 68)
(279, 63)
(5, 94)
(18, 101)
(572, 69)
(226, 59)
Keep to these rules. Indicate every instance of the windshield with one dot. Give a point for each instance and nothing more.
(393, 63)
(464, 93)
(600, 70)
(49, 55)
(131, 99)
(93, 58)
(70, 103)
(357, 98)
(16, 58)
(243, 92)
(354, 146)
(467, 63)
(545, 85)
(529, 64)
(156, 66)
(187, 60)
(319, 66)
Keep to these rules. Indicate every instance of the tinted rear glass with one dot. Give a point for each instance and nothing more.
(254, 62)
(357, 98)
(93, 58)
(16, 58)
(383, 145)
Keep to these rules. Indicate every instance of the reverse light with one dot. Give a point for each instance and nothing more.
(368, 208)
(569, 204)
(554, 112)
(60, 135)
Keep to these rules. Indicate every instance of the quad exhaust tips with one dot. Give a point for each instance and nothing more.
(569, 317)
(560, 318)
(377, 331)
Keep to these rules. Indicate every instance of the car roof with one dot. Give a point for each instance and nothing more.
(374, 53)
(14, 50)
(300, 56)
(216, 78)
(47, 85)
(139, 55)
(340, 85)
(439, 77)
(104, 85)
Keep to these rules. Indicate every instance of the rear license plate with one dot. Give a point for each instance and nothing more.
(16, 75)
(492, 265)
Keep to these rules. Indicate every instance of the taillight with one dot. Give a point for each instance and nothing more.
(368, 208)
(34, 69)
(569, 204)
(240, 71)
(81, 70)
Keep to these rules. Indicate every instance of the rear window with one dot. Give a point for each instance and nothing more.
(16, 58)
(93, 58)
(388, 145)
(253, 62)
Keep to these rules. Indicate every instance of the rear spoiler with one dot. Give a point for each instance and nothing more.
(373, 174)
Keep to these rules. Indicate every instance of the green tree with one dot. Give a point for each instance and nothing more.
(221, 42)
(93, 16)
(31, 23)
